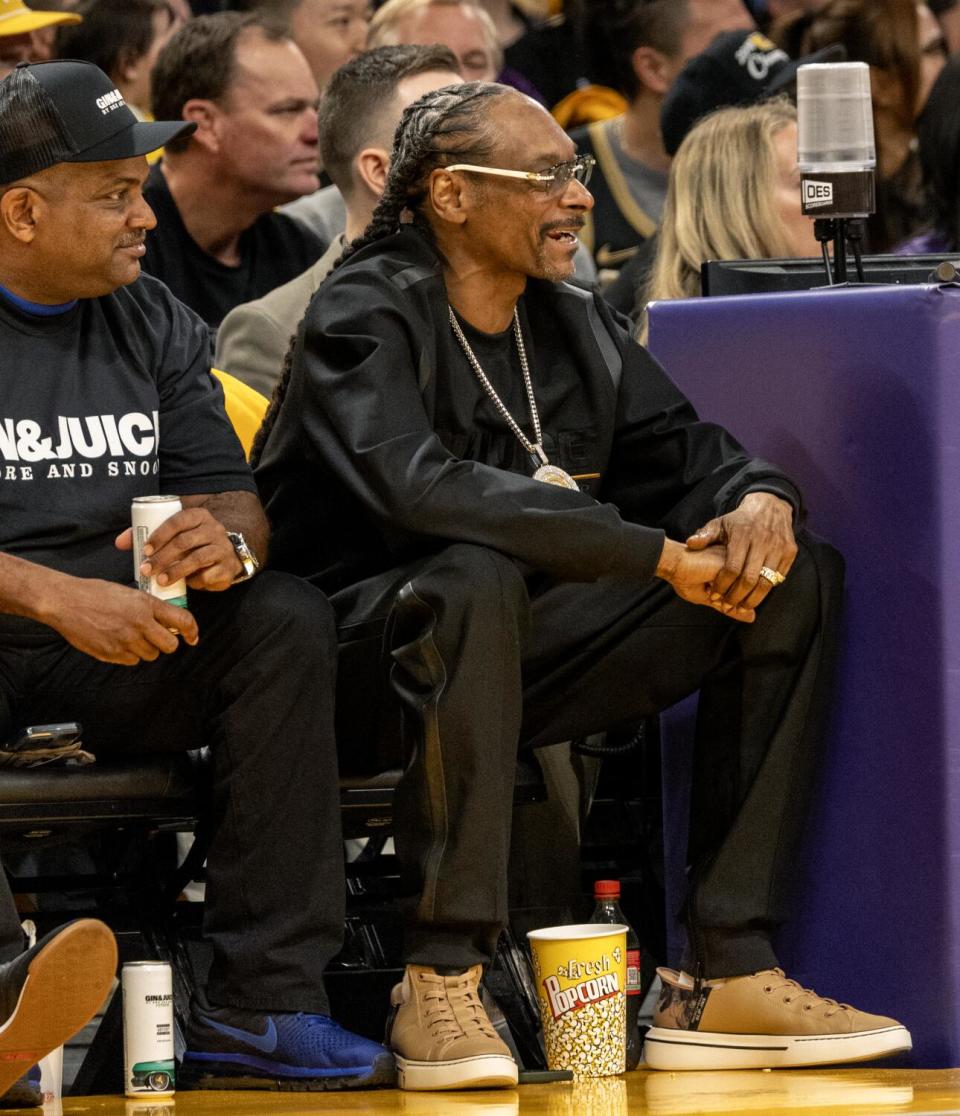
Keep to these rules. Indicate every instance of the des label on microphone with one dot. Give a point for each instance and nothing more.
(837, 193)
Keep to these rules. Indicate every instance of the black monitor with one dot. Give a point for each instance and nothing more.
(734, 277)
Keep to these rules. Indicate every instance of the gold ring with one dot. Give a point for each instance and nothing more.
(773, 576)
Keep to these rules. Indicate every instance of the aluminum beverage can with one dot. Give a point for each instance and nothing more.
(146, 515)
(148, 1056)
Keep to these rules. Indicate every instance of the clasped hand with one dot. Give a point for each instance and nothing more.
(720, 565)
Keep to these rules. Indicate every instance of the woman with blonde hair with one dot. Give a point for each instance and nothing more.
(734, 193)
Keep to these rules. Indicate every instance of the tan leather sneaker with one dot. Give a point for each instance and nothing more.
(759, 1021)
(442, 1037)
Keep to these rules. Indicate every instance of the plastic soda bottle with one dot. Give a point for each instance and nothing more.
(607, 909)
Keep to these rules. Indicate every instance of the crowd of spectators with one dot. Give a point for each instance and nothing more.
(614, 72)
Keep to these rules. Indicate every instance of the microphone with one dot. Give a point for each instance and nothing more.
(836, 152)
(837, 157)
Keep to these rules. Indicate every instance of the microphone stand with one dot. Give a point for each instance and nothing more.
(839, 230)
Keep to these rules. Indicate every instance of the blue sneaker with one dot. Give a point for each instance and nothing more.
(25, 1092)
(232, 1049)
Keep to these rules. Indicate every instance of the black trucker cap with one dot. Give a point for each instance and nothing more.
(69, 111)
(735, 69)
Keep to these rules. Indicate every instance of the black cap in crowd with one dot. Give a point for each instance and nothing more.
(70, 112)
(736, 69)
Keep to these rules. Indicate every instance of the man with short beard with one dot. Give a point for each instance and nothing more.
(535, 536)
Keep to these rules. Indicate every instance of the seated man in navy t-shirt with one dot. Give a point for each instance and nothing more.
(106, 395)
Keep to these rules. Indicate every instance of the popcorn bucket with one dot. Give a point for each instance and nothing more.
(581, 977)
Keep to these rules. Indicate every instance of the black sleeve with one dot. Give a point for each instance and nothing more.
(365, 418)
(199, 450)
(668, 467)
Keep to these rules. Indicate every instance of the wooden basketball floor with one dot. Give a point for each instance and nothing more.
(850, 1092)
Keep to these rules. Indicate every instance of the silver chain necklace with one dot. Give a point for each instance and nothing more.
(549, 474)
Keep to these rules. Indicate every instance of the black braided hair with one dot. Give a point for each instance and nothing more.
(445, 126)
(270, 415)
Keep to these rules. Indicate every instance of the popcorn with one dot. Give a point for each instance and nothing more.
(589, 1041)
(580, 974)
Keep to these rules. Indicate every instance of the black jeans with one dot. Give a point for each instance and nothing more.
(258, 689)
(480, 656)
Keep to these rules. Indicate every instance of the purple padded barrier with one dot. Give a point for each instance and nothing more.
(856, 394)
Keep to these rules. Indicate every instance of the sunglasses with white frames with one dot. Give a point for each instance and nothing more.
(552, 180)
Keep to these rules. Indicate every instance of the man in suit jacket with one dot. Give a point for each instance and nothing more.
(358, 116)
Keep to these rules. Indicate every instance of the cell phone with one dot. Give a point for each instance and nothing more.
(44, 736)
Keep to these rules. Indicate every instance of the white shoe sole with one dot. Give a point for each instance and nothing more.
(668, 1049)
(486, 1071)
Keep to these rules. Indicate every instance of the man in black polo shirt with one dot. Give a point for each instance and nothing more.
(248, 89)
(106, 395)
(505, 492)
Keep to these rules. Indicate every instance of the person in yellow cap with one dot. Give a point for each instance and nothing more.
(24, 33)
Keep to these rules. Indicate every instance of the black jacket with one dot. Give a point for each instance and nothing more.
(386, 447)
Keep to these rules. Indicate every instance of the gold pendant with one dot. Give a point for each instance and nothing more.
(551, 474)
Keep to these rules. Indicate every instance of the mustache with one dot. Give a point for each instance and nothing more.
(572, 224)
(133, 241)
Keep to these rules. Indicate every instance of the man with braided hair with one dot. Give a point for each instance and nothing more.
(443, 373)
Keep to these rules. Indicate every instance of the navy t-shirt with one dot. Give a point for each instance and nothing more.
(111, 399)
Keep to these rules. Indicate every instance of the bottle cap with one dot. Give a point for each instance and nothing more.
(606, 889)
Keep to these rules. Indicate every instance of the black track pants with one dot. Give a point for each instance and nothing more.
(258, 688)
(480, 656)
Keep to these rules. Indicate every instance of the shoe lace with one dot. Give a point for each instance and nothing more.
(798, 992)
(452, 1007)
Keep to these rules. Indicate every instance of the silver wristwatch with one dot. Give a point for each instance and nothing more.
(247, 558)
